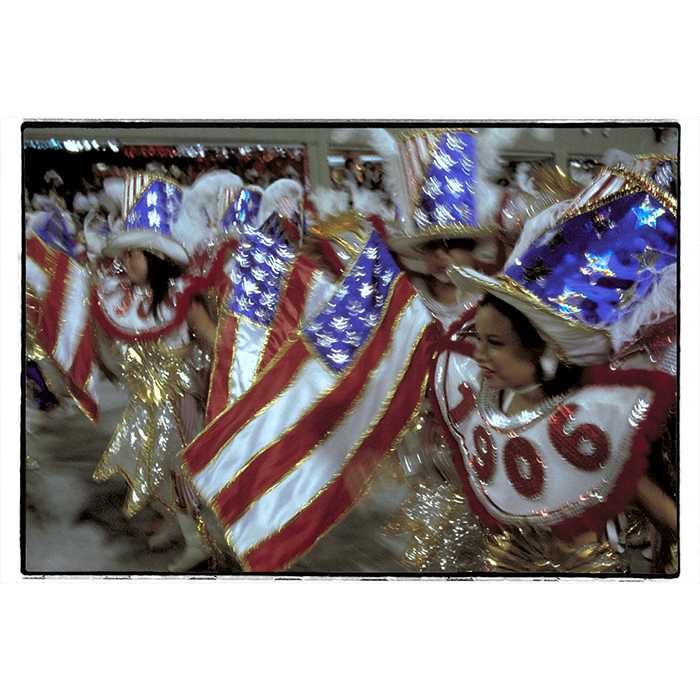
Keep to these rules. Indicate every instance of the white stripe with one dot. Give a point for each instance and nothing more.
(313, 379)
(424, 151)
(74, 315)
(277, 507)
(91, 387)
(37, 279)
(248, 346)
(319, 292)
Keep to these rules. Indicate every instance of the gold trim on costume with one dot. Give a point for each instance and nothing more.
(319, 398)
(381, 412)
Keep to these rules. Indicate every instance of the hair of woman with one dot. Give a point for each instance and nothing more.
(566, 377)
(160, 273)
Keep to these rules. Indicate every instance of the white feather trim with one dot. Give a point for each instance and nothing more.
(385, 145)
(368, 202)
(96, 231)
(282, 196)
(328, 202)
(204, 192)
(84, 203)
(659, 305)
(524, 180)
(41, 202)
(112, 195)
(489, 145)
(535, 227)
(616, 156)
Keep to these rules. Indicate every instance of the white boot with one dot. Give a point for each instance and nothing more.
(195, 550)
(168, 532)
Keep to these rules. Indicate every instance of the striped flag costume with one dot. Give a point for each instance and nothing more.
(272, 288)
(296, 451)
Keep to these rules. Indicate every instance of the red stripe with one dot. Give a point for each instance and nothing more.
(53, 304)
(301, 533)
(82, 362)
(216, 435)
(225, 342)
(269, 467)
(331, 257)
(289, 309)
(38, 252)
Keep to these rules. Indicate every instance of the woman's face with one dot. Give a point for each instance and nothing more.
(439, 258)
(136, 266)
(506, 362)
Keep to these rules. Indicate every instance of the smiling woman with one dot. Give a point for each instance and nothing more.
(513, 356)
(570, 384)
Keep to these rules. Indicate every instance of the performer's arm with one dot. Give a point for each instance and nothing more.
(658, 506)
(202, 326)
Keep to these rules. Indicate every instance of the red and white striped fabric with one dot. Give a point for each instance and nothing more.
(296, 451)
(416, 159)
(64, 329)
(272, 290)
(243, 349)
(604, 185)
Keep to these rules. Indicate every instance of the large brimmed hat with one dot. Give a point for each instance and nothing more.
(151, 204)
(442, 184)
(603, 269)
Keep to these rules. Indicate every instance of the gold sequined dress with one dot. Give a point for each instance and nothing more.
(87, 320)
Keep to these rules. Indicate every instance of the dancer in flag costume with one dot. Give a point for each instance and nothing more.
(296, 450)
(57, 229)
(130, 315)
(447, 211)
(573, 377)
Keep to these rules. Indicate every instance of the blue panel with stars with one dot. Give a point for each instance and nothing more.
(53, 230)
(261, 263)
(156, 208)
(347, 321)
(243, 209)
(447, 196)
(592, 267)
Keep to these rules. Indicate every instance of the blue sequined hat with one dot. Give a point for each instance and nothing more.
(606, 267)
(151, 205)
(239, 207)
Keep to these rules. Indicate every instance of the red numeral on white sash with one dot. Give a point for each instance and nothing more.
(524, 467)
(484, 462)
(586, 447)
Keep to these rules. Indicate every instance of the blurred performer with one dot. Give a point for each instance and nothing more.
(57, 229)
(553, 415)
(448, 211)
(130, 316)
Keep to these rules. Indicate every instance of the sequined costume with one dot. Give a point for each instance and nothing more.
(164, 412)
(552, 485)
(100, 319)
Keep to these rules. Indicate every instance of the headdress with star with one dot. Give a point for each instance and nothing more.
(442, 185)
(602, 267)
(150, 206)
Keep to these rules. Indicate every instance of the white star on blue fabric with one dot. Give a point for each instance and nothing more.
(646, 214)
